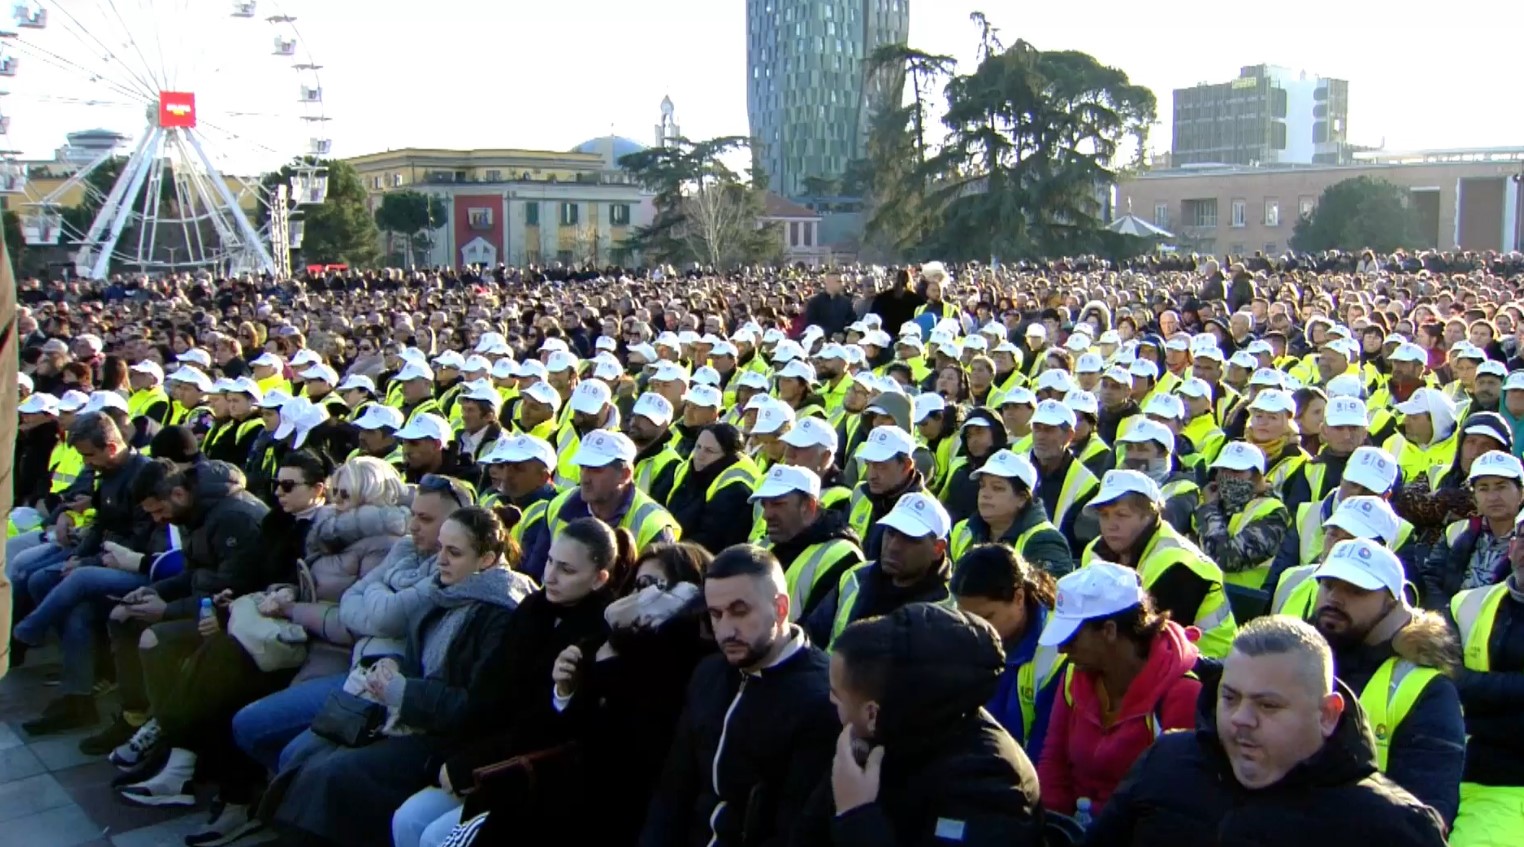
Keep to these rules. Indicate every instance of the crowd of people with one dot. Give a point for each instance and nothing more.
(1178, 553)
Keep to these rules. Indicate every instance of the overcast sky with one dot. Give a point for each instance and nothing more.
(470, 73)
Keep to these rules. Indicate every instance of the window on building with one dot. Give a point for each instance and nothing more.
(809, 234)
(1239, 212)
(619, 214)
(1278, 135)
(1236, 249)
(1272, 212)
(1161, 215)
(1200, 213)
(568, 214)
(396, 180)
(793, 233)
(480, 218)
(1271, 247)
(532, 213)
(1305, 206)
(494, 176)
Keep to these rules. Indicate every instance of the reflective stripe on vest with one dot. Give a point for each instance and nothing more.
(1296, 593)
(1168, 549)
(846, 598)
(568, 473)
(1310, 532)
(1475, 611)
(1031, 678)
(65, 464)
(1256, 509)
(1389, 697)
(650, 469)
(426, 407)
(1078, 482)
(532, 515)
(860, 510)
(814, 562)
(1178, 487)
(963, 538)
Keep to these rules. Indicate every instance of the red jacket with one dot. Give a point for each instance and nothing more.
(1080, 758)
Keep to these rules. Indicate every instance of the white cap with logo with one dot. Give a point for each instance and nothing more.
(426, 427)
(1240, 456)
(1364, 516)
(787, 479)
(918, 515)
(602, 447)
(589, 397)
(1097, 590)
(811, 432)
(522, 448)
(885, 443)
(1371, 468)
(1117, 484)
(1054, 413)
(1497, 463)
(1004, 463)
(651, 406)
(1145, 430)
(1365, 564)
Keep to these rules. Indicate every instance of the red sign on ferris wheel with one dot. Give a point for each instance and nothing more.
(177, 109)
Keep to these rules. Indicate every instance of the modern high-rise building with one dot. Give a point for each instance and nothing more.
(809, 95)
(1268, 115)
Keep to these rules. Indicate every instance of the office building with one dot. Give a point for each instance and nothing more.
(808, 95)
(1268, 115)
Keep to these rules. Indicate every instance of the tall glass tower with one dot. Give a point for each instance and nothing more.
(808, 92)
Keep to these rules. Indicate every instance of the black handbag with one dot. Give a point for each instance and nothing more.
(349, 720)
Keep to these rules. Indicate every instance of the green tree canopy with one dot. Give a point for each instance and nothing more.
(340, 229)
(705, 211)
(411, 214)
(1357, 214)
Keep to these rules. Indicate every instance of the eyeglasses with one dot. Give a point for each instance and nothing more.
(438, 484)
(645, 581)
(286, 486)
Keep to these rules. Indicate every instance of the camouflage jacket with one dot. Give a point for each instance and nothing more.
(1255, 544)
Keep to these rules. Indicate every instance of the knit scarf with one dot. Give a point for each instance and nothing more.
(1271, 448)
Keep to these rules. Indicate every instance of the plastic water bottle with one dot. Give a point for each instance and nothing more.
(1082, 812)
(206, 609)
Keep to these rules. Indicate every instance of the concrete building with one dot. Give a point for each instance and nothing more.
(1268, 115)
(808, 96)
(800, 230)
(1466, 199)
(520, 206)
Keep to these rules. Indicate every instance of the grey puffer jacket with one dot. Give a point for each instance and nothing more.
(377, 608)
(341, 548)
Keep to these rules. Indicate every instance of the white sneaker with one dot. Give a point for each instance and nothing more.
(129, 755)
(171, 786)
(229, 822)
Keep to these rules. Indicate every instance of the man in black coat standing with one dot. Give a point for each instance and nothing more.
(918, 760)
(1282, 755)
(755, 735)
(831, 309)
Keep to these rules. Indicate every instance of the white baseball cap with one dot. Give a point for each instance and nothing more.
(811, 432)
(1364, 516)
(1180, 342)
(203, 359)
(1037, 330)
(1208, 353)
(102, 400)
(771, 417)
(1194, 387)
(1346, 411)
(670, 372)
(505, 368)
(426, 427)
(1240, 456)
(263, 360)
(786, 351)
(1004, 463)
(1371, 468)
(1345, 385)
(602, 447)
(482, 392)
(1143, 368)
(928, 404)
(1118, 374)
(605, 343)
(1426, 401)
(918, 515)
(39, 404)
(651, 406)
(322, 372)
(787, 479)
(913, 342)
(246, 385)
(1268, 378)
(488, 340)
(522, 448)
(1110, 336)
(1097, 590)
(1467, 350)
(1497, 463)
(705, 376)
(884, 443)
(751, 379)
(1055, 380)
(704, 395)
(543, 393)
(1365, 564)
(798, 369)
(1515, 382)
(191, 376)
(299, 415)
(73, 401)
(980, 343)
(607, 370)
(1021, 396)
(644, 350)
(1243, 359)
(589, 397)
(1082, 402)
(1089, 363)
(1117, 484)
(450, 359)
(1408, 352)
(358, 382)
(1165, 406)
(378, 416)
(1145, 430)
(1274, 400)
(414, 370)
(151, 368)
(1077, 342)
(1054, 413)
(553, 345)
(561, 360)
(1492, 367)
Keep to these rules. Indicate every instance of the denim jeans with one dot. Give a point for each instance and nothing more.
(22, 542)
(77, 607)
(35, 562)
(265, 727)
(425, 819)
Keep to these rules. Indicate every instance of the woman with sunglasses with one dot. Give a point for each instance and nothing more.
(621, 700)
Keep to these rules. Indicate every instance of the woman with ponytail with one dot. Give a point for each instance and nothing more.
(587, 565)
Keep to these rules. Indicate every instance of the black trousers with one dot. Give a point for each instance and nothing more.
(142, 674)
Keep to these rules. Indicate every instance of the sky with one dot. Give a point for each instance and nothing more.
(473, 73)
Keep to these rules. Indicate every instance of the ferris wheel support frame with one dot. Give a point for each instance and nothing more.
(117, 209)
(252, 240)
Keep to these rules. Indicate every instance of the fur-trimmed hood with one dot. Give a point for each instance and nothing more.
(1428, 641)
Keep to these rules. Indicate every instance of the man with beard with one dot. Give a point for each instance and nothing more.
(757, 729)
(1281, 750)
(889, 473)
(835, 382)
(657, 461)
(1400, 659)
(1488, 388)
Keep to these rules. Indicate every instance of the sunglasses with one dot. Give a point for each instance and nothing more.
(286, 486)
(438, 484)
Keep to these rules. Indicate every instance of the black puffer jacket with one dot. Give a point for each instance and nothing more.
(948, 765)
(714, 524)
(222, 549)
(1182, 793)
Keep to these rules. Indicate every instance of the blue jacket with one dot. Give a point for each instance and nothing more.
(1006, 704)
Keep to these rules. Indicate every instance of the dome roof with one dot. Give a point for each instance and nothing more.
(622, 146)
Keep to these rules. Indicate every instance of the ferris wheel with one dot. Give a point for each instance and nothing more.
(220, 107)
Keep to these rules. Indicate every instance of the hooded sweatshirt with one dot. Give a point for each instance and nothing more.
(1083, 756)
(947, 764)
